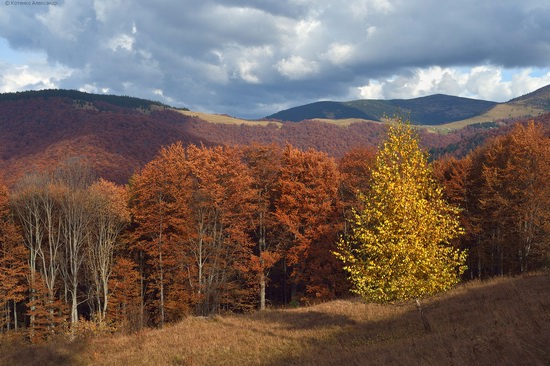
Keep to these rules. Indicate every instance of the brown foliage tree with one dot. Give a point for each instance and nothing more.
(264, 163)
(307, 211)
(13, 286)
(504, 192)
(124, 295)
(196, 202)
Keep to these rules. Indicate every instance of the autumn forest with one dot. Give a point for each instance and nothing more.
(205, 229)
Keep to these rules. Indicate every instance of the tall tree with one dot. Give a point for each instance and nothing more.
(76, 215)
(13, 255)
(511, 204)
(217, 239)
(27, 205)
(398, 247)
(264, 163)
(458, 189)
(192, 213)
(36, 203)
(307, 211)
(158, 217)
(110, 217)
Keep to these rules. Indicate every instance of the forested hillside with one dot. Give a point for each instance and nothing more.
(38, 132)
(118, 135)
(212, 229)
(123, 215)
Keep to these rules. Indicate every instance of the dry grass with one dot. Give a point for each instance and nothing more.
(504, 321)
(500, 111)
(345, 122)
(223, 119)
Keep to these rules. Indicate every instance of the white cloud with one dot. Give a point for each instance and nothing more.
(296, 67)
(246, 71)
(36, 75)
(121, 41)
(339, 53)
(481, 82)
(373, 90)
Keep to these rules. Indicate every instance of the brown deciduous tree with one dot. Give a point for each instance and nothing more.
(307, 211)
(13, 284)
(516, 196)
(264, 163)
(124, 291)
(192, 213)
(355, 169)
(504, 193)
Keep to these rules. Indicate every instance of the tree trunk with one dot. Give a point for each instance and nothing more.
(425, 322)
(15, 314)
(262, 292)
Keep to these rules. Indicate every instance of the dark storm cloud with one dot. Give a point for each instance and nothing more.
(251, 57)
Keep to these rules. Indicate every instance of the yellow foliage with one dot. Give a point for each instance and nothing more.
(399, 245)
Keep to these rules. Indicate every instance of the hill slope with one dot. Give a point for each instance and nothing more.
(37, 131)
(503, 321)
(429, 110)
(432, 110)
(540, 99)
(120, 134)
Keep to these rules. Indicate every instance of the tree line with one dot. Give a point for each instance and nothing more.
(202, 230)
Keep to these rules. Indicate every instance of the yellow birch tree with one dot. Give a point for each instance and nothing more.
(399, 244)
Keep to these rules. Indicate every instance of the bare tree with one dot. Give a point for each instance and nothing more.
(76, 215)
(109, 203)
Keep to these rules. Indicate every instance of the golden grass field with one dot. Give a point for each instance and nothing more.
(224, 119)
(500, 111)
(503, 321)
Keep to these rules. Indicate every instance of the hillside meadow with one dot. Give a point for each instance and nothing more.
(502, 321)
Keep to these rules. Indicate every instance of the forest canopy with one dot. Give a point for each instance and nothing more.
(212, 229)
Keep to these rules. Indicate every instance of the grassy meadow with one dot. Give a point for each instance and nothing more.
(503, 321)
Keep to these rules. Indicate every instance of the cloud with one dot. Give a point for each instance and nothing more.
(250, 57)
(296, 67)
(34, 76)
(481, 82)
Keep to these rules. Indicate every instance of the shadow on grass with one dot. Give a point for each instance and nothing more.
(56, 353)
(304, 320)
(501, 322)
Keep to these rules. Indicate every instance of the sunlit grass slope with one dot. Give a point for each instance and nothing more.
(504, 321)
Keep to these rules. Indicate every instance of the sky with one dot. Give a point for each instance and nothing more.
(253, 58)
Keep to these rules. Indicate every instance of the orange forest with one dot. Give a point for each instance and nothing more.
(202, 230)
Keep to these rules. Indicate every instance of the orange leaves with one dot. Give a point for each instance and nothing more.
(514, 197)
(307, 211)
(504, 192)
(124, 295)
(12, 265)
(113, 199)
(192, 208)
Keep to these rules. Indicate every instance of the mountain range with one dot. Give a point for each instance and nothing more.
(430, 110)
(119, 134)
